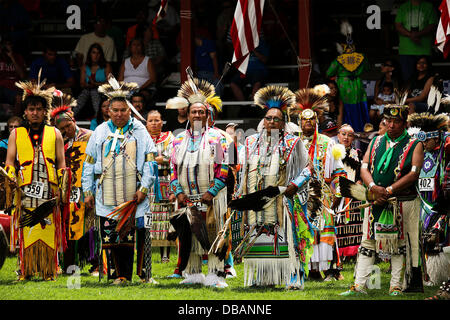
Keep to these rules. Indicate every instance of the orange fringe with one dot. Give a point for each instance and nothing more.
(40, 259)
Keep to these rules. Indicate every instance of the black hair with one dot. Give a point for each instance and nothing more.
(33, 100)
(99, 116)
(101, 61)
(389, 85)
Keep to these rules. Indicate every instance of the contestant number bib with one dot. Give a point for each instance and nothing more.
(75, 195)
(148, 220)
(34, 190)
(426, 184)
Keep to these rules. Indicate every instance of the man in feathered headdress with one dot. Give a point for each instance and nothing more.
(390, 169)
(35, 165)
(78, 221)
(199, 172)
(275, 159)
(118, 171)
(326, 157)
(431, 130)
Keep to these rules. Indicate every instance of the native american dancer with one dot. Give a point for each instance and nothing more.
(390, 170)
(198, 179)
(326, 157)
(273, 247)
(79, 222)
(431, 130)
(119, 171)
(35, 164)
(162, 209)
(349, 223)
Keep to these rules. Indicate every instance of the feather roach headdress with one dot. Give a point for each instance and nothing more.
(115, 89)
(31, 88)
(275, 97)
(426, 125)
(396, 111)
(195, 90)
(310, 102)
(62, 107)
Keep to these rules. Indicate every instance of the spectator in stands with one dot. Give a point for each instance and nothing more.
(103, 115)
(11, 124)
(415, 23)
(138, 68)
(54, 68)
(223, 25)
(389, 73)
(386, 96)
(256, 73)
(419, 86)
(97, 36)
(153, 49)
(118, 36)
(94, 73)
(167, 26)
(15, 24)
(329, 128)
(336, 106)
(12, 69)
(206, 63)
(137, 30)
(138, 101)
(178, 122)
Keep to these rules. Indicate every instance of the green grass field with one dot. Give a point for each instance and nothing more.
(170, 289)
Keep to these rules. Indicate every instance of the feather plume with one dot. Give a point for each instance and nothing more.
(177, 103)
(346, 28)
(275, 97)
(338, 151)
(196, 90)
(428, 122)
(308, 98)
(400, 96)
(64, 100)
(322, 89)
(36, 89)
(115, 89)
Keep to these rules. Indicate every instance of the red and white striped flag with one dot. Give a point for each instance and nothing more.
(161, 12)
(245, 31)
(443, 30)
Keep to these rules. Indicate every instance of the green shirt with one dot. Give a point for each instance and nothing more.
(416, 16)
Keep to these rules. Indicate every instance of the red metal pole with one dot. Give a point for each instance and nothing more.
(304, 42)
(186, 37)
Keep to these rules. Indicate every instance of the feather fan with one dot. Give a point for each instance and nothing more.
(257, 200)
(125, 216)
(30, 218)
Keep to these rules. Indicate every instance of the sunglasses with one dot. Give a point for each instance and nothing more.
(275, 119)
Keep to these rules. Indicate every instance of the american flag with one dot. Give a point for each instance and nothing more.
(245, 31)
(443, 30)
